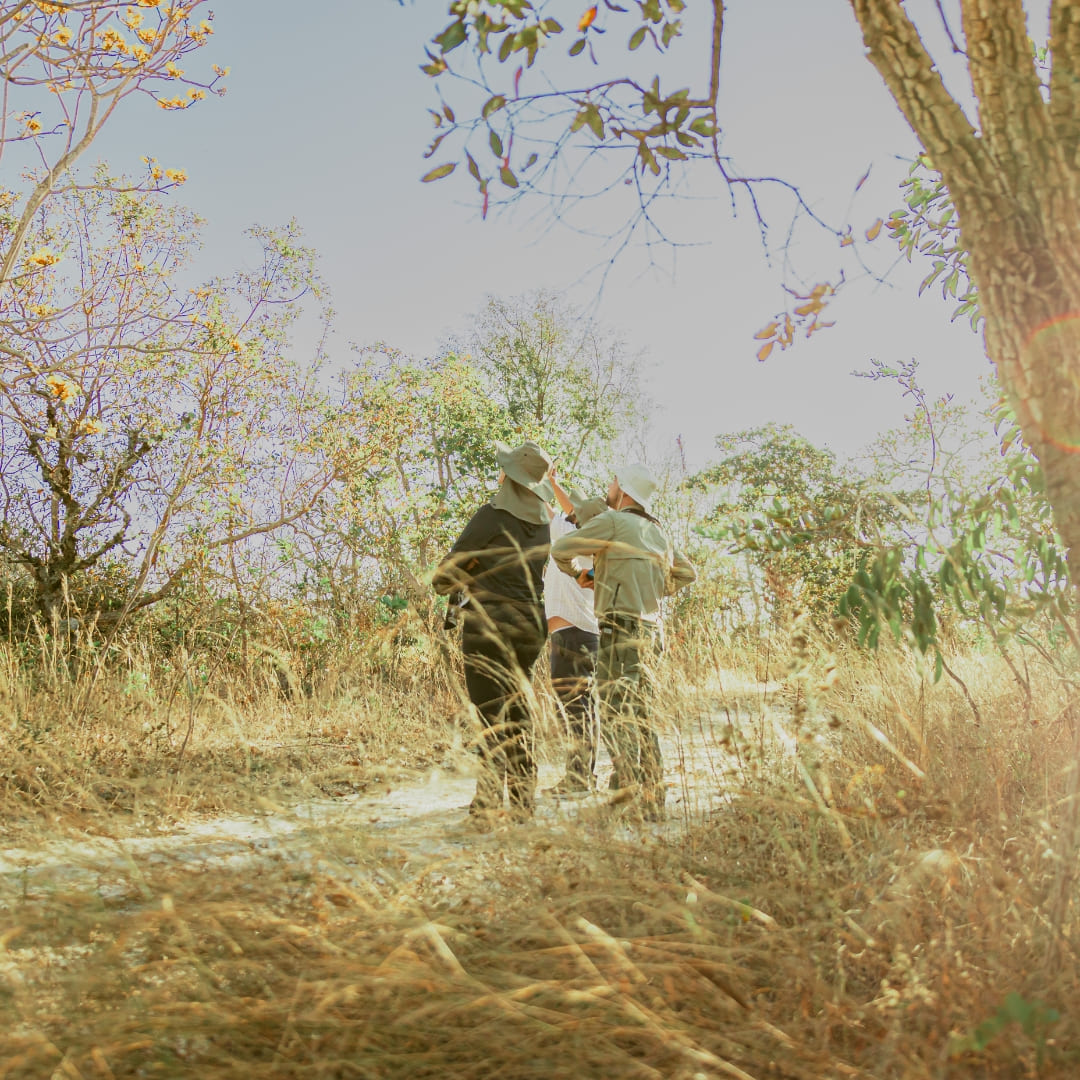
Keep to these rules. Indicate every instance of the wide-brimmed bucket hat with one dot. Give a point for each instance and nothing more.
(585, 509)
(527, 465)
(639, 483)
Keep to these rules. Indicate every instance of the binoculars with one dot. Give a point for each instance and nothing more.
(453, 610)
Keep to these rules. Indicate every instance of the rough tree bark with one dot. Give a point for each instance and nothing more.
(1015, 182)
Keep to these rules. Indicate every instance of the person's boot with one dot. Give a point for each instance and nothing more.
(489, 793)
(653, 798)
(522, 793)
(622, 776)
(578, 779)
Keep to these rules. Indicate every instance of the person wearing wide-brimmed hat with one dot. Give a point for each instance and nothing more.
(635, 566)
(573, 641)
(498, 561)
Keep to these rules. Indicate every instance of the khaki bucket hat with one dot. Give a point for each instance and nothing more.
(585, 509)
(527, 465)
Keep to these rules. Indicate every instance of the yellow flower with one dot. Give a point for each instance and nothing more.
(138, 268)
(62, 389)
(112, 39)
(91, 427)
(177, 176)
(134, 18)
(236, 346)
(140, 54)
(195, 94)
(64, 35)
(172, 103)
(49, 9)
(156, 172)
(33, 125)
(173, 70)
(149, 3)
(42, 311)
(44, 257)
(148, 36)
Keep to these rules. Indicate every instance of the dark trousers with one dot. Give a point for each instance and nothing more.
(501, 645)
(573, 665)
(629, 649)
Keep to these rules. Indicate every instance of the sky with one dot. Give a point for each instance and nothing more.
(326, 119)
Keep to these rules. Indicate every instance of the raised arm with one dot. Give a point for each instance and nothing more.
(590, 539)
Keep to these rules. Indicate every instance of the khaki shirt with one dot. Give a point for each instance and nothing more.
(634, 562)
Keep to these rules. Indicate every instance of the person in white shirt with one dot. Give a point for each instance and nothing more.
(574, 638)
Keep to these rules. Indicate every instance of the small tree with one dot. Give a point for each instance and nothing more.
(805, 522)
(557, 375)
(134, 412)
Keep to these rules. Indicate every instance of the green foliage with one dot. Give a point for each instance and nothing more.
(952, 531)
(805, 521)
(416, 446)
(927, 225)
(978, 543)
(1034, 1019)
(558, 378)
(662, 125)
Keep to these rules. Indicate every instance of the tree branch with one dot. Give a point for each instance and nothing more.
(1011, 114)
(1065, 72)
(896, 50)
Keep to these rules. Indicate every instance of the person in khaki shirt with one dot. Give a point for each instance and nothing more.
(634, 567)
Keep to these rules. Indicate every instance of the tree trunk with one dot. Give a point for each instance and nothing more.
(1016, 187)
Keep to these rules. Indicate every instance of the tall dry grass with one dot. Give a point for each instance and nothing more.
(868, 874)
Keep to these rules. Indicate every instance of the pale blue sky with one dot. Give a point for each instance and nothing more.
(325, 120)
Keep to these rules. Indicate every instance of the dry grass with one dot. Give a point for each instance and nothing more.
(885, 890)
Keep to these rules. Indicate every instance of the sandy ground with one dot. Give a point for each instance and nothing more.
(395, 832)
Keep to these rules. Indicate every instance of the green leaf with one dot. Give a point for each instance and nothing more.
(530, 161)
(493, 105)
(439, 173)
(474, 169)
(594, 120)
(551, 26)
(637, 38)
(495, 143)
(507, 177)
(671, 153)
(506, 48)
(435, 145)
(577, 47)
(452, 36)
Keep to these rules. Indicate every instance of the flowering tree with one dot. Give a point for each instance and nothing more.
(142, 421)
(66, 68)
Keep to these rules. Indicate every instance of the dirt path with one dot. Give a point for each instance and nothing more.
(397, 831)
